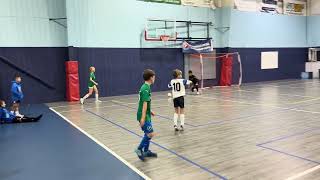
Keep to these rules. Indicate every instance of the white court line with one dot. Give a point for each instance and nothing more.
(267, 105)
(245, 90)
(103, 146)
(77, 104)
(304, 173)
(75, 110)
(115, 105)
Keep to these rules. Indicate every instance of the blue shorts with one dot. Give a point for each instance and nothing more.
(147, 127)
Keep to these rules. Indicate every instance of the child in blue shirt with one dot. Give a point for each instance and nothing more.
(9, 117)
(16, 90)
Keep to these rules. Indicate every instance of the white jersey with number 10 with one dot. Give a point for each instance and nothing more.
(178, 87)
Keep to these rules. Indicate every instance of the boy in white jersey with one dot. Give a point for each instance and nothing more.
(178, 92)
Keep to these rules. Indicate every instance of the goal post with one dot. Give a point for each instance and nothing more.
(210, 66)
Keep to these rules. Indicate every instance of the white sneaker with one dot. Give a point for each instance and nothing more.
(198, 93)
(98, 101)
(81, 100)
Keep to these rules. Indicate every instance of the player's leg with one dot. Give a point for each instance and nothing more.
(31, 119)
(17, 104)
(175, 118)
(192, 88)
(143, 149)
(181, 113)
(197, 87)
(87, 95)
(139, 150)
(147, 152)
(176, 113)
(96, 91)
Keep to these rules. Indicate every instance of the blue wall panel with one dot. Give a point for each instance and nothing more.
(291, 63)
(47, 64)
(119, 71)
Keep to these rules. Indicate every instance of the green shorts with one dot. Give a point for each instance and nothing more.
(90, 85)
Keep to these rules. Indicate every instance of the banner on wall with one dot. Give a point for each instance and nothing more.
(267, 6)
(271, 6)
(178, 2)
(199, 3)
(295, 7)
(204, 46)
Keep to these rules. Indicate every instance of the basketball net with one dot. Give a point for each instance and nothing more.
(165, 39)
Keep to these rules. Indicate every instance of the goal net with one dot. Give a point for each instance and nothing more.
(215, 68)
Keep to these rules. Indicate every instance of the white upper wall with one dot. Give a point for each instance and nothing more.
(119, 24)
(25, 23)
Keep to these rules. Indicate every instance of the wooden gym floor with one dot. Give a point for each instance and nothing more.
(267, 130)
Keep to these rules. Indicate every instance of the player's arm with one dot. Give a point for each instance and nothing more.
(186, 82)
(144, 113)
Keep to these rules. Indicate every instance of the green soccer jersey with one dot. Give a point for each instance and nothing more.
(93, 77)
(144, 96)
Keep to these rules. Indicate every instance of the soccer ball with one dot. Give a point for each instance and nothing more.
(169, 94)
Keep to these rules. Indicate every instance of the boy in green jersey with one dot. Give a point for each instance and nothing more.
(144, 115)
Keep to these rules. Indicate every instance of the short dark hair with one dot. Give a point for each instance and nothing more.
(17, 76)
(190, 72)
(147, 74)
(176, 73)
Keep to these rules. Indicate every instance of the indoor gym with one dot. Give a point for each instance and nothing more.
(258, 69)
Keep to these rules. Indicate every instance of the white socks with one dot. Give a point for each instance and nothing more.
(175, 119)
(182, 119)
(86, 96)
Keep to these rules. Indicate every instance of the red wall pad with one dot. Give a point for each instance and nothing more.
(226, 71)
(72, 67)
(72, 81)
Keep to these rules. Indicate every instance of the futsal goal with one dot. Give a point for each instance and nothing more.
(214, 68)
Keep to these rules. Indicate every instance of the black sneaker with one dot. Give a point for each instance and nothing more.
(181, 128)
(39, 117)
(150, 154)
(139, 154)
(176, 128)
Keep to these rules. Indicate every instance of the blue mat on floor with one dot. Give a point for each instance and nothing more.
(54, 150)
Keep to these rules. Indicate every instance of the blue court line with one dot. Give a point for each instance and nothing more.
(239, 118)
(288, 154)
(163, 117)
(289, 136)
(253, 115)
(162, 147)
(262, 145)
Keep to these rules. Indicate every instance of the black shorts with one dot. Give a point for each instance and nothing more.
(178, 102)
